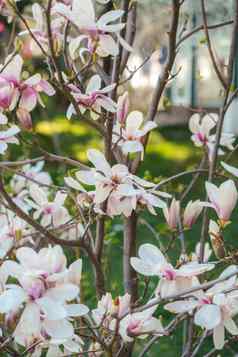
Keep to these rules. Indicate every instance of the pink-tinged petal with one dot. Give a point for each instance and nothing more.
(38, 195)
(94, 84)
(75, 272)
(86, 177)
(208, 122)
(194, 268)
(194, 123)
(74, 46)
(14, 68)
(142, 267)
(77, 310)
(123, 43)
(12, 299)
(84, 11)
(102, 192)
(180, 307)
(231, 169)
(61, 329)
(108, 46)
(63, 292)
(52, 309)
(46, 87)
(27, 257)
(208, 316)
(24, 118)
(148, 127)
(122, 108)
(167, 288)
(28, 328)
(110, 16)
(231, 326)
(132, 146)
(219, 336)
(60, 216)
(107, 103)
(227, 189)
(33, 80)
(98, 160)
(28, 99)
(133, 122)
(151, 254)
(74, 184)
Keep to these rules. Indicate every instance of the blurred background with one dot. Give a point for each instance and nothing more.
(194, 88)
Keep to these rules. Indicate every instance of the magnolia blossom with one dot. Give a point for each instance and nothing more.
(132, 325)
(222, 199)
(151, 262)
(51, 212)
(94, 98)
(45, 286)
(20, 183)
(191, 213)
(25, 94)
(201, 128)
(8, 136)
(214, 309)
(40, 28)
(130, 135)
(140, 324)
(96, 33)
(172, 214)
(122, 190)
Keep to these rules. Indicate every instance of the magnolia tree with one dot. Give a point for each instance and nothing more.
(42, 311)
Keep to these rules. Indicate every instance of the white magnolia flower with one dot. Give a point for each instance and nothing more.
(51, 212)
(151, 262)
(130, 135)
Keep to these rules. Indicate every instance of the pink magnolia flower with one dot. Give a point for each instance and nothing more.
(217, 239)
(172, 214)
(214, 309)
(151, 262)
(97, 33)
(130, 136)
(140, 324)
(8, 136)
(201, 128)
(94, 98)
(43, 291)
(25, 94)
(51, 212)
(222, 199)
(122, 190)
(191, 213)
